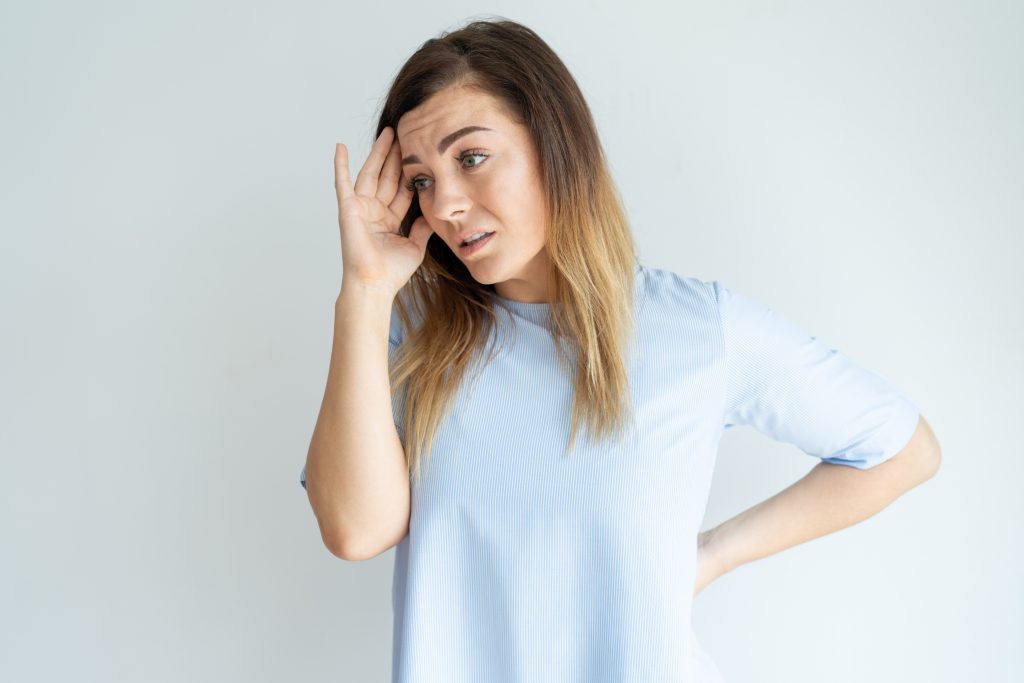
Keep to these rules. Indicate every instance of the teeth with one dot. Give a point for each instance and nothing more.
(475, 237)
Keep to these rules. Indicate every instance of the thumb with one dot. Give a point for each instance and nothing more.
(420, 232)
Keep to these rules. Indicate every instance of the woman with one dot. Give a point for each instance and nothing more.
(484, 237)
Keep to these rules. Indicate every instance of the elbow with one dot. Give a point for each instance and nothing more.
(925, 450)
(350, 550)
(933, 462)
(354, 549)
(933, 451)
(340, 543)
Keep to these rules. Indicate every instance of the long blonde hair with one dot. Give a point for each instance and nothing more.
(589, 243)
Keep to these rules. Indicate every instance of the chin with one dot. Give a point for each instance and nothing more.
(483, 274)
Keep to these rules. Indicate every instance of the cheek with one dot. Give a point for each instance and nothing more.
(532, 201)
(535, 214)
(517, 201)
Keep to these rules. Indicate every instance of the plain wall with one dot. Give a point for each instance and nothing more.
(170, 260)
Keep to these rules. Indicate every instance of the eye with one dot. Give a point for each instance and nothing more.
(468, 154)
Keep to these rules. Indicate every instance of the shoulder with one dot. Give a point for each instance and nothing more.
(665, 288)
(683, 292)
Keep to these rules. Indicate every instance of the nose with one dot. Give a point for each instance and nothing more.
(450, 201)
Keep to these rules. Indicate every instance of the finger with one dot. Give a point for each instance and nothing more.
(366, 181)
(420, 232)
(390, 175)
(402, 201)
(342, 181)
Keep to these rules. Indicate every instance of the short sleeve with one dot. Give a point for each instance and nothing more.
(794, 388)
(396, 333)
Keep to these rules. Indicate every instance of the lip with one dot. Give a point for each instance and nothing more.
(463, 236)
(475, 246)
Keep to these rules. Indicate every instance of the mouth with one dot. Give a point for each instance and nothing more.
(473, 246)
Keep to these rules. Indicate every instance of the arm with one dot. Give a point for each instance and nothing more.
(829, 498)
(356, 473)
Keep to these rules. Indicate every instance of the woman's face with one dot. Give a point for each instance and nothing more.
(475, 180)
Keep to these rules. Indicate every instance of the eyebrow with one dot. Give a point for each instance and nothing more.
(445, 143)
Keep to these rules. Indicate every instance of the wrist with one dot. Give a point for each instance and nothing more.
(365, 291)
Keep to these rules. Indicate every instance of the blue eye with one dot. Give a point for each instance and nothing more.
(413, 187)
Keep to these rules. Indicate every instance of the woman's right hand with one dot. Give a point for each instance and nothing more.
(373, 253)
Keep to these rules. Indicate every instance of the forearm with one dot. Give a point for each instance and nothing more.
(356, 472)
(827, 499)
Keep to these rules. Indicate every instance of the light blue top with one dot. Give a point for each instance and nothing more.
(522, 564)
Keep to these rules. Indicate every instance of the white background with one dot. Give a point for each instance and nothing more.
(170, 259)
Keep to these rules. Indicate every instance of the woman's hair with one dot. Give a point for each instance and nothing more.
(588, 240)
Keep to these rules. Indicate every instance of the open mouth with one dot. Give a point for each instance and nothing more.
(472, 245)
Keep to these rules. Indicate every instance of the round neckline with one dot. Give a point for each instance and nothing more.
(539, 306)
(534, 309)
(524, 305)
(539, 312)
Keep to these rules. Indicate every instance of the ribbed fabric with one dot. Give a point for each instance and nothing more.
(525, 565)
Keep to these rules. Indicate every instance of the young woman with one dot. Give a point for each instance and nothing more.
(566, 401)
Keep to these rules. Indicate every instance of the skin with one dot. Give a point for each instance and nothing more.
(496, 188)
(503, 192)
(828, 498)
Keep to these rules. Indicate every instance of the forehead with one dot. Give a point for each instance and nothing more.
(447, 111)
